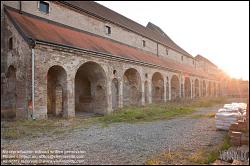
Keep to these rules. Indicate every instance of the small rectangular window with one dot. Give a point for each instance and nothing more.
(11, 43)
(43, 7)
(181, 58)
(166, 51)
(144, 43)
(107, 30)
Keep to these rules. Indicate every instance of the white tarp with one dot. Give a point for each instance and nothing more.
(228, 115)
(234, 107)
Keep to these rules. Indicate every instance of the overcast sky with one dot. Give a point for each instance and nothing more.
(217, 30)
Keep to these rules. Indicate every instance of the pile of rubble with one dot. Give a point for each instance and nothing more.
(234, 156)
(238, 153)
(238, 133)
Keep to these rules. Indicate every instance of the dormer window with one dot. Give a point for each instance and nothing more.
(44, 7)
(166, 51)
(107, 30)
(10, 43)
(144, 43)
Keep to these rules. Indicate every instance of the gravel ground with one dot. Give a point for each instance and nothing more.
(123, 143)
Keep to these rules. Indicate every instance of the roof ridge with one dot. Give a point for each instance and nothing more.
(109, 14)
(119, 14)
(73, 38)
(200, 56)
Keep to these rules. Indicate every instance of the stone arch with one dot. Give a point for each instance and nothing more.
(219, 89)
(146, 93)
(187, 86)
(209, 88)
(56, 91)
(8, 106)
(157, 87)
(175, 87)
(90, 89)
(196, 88)
(115, 93)
(204, 91)
(131, 87)
(214, 93)
(167, 88)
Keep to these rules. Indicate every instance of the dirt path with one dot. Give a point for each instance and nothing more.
(123, 143)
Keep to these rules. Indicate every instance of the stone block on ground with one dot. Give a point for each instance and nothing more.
(238, 162)
(220, 162)
(236, 134)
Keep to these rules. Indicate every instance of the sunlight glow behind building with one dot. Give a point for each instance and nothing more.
(217, 30)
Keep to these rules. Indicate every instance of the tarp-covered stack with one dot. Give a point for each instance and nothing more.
(225, 119)
(229, 115)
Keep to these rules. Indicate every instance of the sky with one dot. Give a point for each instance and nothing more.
(216, 30)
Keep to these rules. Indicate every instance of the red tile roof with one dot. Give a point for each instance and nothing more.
(101, 11)
(200, 57)
(39, 29)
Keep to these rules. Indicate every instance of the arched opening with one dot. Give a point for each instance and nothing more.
(146, 92)
(167, 89)
(8, 106)
(209, 89)
(131, 87)
(56, 91)
(219, 90)
(90, 89)
(157, 87)
(214, 89)
(196, 88)
(115, 94)
(175, 87)
(187, 85)
(204, 88)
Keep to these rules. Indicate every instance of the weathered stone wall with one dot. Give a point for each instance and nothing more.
(56, 91)
(157, 87)
(175, 87)
(19, 58)
(115, 94)
(71, 63)
(187, 87)
(47, 57)
(169, 53)
(90, 88)
(131, 87)
(75, 87)
(61, 14)
(206, 67)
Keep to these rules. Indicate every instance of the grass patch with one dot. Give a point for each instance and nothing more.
(153, 162)
(151, 112)
(35, 128)
(207, 156)
(208, 115)
(161, 111)
(148, 113)
(12, 133)
(18, 129)
(206, 102)
(170, 158)
(183, 157)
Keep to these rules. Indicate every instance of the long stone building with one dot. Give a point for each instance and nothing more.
(70, 57)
